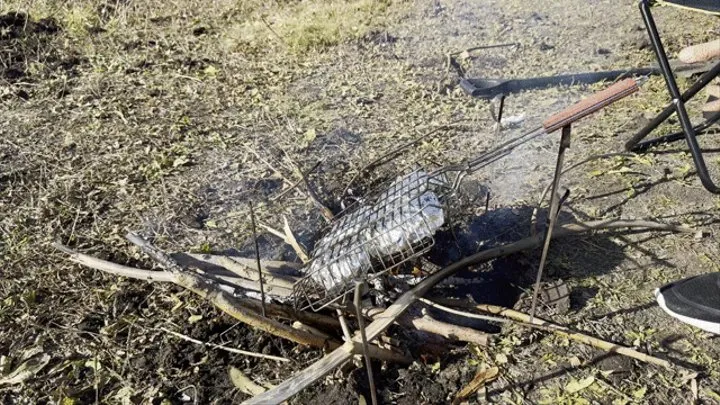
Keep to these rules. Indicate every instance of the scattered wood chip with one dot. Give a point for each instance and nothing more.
(244, 383)
(480, 379)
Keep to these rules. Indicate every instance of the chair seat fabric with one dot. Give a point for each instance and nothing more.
(707, 6)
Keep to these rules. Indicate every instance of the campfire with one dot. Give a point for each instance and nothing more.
(384, 234)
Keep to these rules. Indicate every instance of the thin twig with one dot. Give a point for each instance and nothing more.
(297, 183)
(462, 313)
(395, 152)
(267, 25)
(476, 48)
(449, 331)
(227, 349)
(533, 218)
(292, 241)
(324, 210)
(527, 320)
(344, 326)
(273, 231)
(289, 238)
(277, 275)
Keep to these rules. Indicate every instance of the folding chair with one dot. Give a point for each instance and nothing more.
(677, 105)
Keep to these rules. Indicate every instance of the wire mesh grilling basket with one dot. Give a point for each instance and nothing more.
(388, 228)
(377, 235)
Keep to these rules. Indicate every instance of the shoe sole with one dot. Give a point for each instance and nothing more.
(711, 327)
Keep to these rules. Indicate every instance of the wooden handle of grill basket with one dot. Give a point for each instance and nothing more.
(591, 104)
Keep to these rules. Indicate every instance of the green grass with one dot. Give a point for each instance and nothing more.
(309, 25)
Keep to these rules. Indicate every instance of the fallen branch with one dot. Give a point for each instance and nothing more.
(224, 301)
(282, 311)
(462, 313)
(244, 383)
(277, 286)
(279, 273)
(524, 319)
(447, 330)
(300, 380)
(231, 306)
(114, 268)
(227, 349)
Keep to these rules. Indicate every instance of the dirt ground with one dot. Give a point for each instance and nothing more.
(168, 117)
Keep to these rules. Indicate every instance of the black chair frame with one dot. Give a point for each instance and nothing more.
(677, 105)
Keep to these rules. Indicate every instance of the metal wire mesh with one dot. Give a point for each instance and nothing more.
(377, 235)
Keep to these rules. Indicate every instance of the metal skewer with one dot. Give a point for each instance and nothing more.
(361, 325)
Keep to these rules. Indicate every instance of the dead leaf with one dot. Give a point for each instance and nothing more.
(575, 361)
(124, 395)
(640, 392)
(210, 71)
(93, 364)
(577, 386)
(26, 370)
(181, 161)
(194, 318)
(310, 135)
(712, 394)
(243, 383)
(480, 379)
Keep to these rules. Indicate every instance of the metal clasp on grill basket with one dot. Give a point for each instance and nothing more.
(373, 238)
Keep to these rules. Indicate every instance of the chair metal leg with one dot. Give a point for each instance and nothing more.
(700, 129)
(678, 103)
(634, 145)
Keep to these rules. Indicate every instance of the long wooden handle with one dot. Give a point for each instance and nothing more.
(591, 104)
